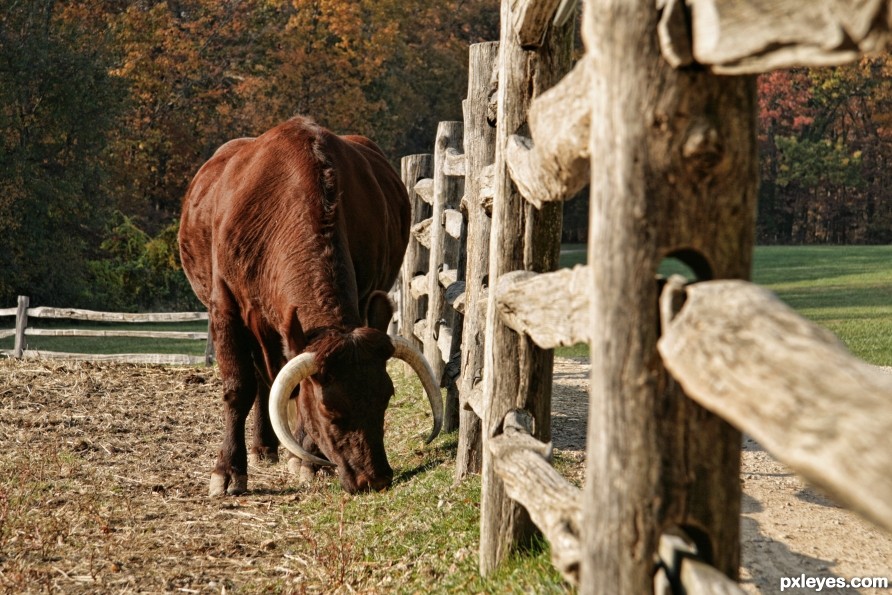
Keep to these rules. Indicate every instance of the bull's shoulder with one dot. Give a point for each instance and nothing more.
(229, 148)
(372, 155)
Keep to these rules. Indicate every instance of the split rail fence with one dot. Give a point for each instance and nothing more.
(22, 330)
(658, 117)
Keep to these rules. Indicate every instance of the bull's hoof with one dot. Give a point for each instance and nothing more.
(304, 473)
(222, 484)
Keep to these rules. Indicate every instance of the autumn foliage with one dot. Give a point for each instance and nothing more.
(108, 107)
(824, 151)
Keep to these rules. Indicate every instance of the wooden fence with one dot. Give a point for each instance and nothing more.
(23, 313)
(678, 369)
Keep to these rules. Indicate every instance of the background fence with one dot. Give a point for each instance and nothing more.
(22, 330)
(669, 150)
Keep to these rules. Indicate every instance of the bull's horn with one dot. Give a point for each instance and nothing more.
(292, 374)
(408, 353)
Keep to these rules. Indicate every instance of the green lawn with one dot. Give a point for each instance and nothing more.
(846, 289)
(109, 344)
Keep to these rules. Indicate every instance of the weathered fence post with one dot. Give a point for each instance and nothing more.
(479, 155)
(674, 172)
(442, 320)
(21, 323)
(413, 306)
(516, 372)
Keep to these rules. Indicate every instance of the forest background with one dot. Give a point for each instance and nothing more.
(109, 107)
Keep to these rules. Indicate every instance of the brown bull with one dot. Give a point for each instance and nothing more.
(290, 239)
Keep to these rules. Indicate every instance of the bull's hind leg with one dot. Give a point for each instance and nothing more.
(233, 345)
(265, 445)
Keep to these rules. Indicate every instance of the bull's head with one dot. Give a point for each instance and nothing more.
(345, 390)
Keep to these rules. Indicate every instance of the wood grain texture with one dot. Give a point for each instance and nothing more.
(530, 20)
(454, 223)
(421, 232)
(551, 308)
(674, 172)
(516, 372)
(553, 164)
(95, 316)
(425, 189)
(524, 465)
(445, 255)
(479, 148)
(413, 289)
(740, 352)
(761, 35)
(21, 323)
(454, 163)
(184, 335)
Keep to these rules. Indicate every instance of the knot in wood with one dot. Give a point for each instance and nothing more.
(703, 147)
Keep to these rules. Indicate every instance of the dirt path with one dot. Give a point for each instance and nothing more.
(788, 528)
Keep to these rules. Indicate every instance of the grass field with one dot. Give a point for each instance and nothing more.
(847, 289)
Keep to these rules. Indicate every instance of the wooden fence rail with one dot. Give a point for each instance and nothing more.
(792, 385)
(23, 313)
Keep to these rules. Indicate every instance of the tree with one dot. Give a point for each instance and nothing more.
(136, 270)
(191, 66)
(57, 103)
(824, 154)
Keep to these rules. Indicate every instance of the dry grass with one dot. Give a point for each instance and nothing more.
(103, 481)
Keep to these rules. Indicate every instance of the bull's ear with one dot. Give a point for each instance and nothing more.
(379, 311)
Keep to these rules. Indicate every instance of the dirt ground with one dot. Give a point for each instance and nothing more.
(788, 528)
(114, 512)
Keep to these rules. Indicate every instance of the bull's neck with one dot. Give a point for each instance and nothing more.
(313, 320)
(325, 293)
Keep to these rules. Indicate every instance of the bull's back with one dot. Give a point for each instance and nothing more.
(251, 202)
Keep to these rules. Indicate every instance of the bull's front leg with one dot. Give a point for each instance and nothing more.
(232, 345)
(305, 472)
